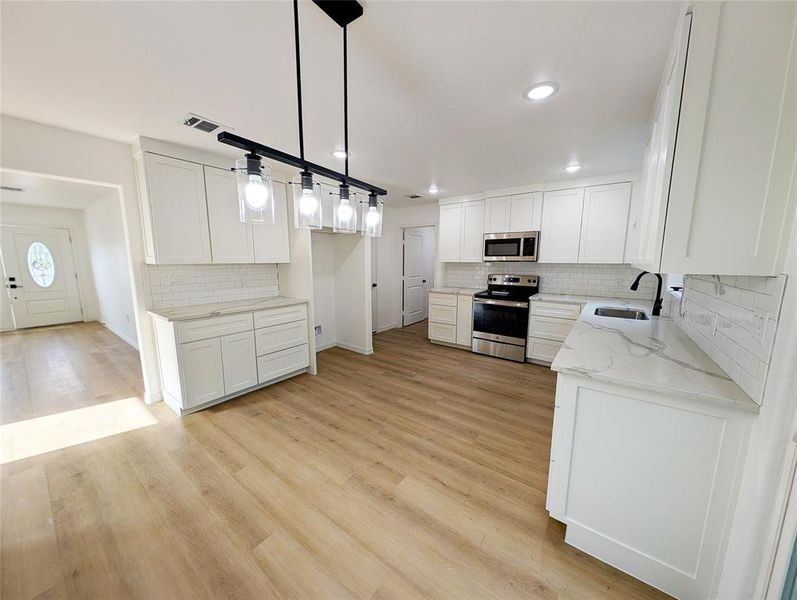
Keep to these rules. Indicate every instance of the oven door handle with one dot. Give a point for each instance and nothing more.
(501, 303)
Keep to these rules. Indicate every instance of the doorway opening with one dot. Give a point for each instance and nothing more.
(417, 272)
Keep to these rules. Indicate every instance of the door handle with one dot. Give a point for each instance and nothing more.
(373, 285)
(424, 281)
(14, 286)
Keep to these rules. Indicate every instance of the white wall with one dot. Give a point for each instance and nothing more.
(324, 288)
(388, 255)
(64, 218)
(41, 149)
(106, 242)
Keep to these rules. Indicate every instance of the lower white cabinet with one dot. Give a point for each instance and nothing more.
(550, 323)
(202, 373)
(451, 318)
(206, 361)
(238, 360)
(646, 481)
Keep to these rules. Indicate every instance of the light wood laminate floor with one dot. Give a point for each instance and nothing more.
(418, 472)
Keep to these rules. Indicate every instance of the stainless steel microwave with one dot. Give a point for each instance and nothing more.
(517, 246)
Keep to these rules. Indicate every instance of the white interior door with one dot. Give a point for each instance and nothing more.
(40, 276)
(418, 273)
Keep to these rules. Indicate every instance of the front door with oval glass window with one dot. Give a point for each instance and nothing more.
(40, 276)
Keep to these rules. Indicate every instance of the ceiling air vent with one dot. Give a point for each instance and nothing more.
(8, 188)
(195, 121)
(414, 196)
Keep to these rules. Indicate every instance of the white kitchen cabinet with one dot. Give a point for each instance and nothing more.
(550, 323)
(525, 212)
(271, 243)
(238, 361)
(210, 360)
(464, 320)
(450, 232)
(604, 223)
(560, 232)
(518, 212)
(496, 214)
(461, 231)
(472, 231)
(230, 240)
(174, 210)
(716, 199)
(202, 373)
(646, 481)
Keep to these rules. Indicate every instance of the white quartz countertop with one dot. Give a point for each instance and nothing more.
(653, 355)
(217, 309)
(455, 291)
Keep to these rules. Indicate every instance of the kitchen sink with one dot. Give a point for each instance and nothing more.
(621, 313)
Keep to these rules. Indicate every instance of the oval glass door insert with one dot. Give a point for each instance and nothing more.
(41, 264)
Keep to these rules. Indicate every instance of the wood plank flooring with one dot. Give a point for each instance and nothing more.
(417, 472)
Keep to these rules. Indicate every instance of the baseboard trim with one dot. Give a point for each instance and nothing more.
(353, 348)
(324, 346)
(386, 328)
(119, 334)
(151, 398)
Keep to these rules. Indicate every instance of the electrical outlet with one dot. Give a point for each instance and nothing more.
(317, 330)
(127, 318)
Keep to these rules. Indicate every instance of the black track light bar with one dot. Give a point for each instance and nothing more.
(236, 141)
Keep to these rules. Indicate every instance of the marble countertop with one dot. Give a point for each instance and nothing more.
(217, 309)
(455, 291)
(653, 355)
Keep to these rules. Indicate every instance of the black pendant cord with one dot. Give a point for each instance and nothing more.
(299, 77)
(346, 99)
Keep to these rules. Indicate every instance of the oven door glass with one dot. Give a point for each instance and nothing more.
(510, 321)
(502, 247)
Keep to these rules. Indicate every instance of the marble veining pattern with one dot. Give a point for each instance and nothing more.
(654, 355)
(218, 309)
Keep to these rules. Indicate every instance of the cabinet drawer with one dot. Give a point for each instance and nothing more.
(280, 337)
(542, 350)
(443, 299)
(190, 331)
(549, 328)
(277, 316)
(559, 310)
(443, 333)
(281, 363)
(446, 315)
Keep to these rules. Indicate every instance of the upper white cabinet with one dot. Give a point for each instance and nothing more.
(518, 212)
(190, 215)
(230, 240)
(461, 231)
(604, 223)
(176, 212)
(560, 232)
(716, 198)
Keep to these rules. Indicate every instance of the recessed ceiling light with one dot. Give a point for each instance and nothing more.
(433, 189)
(341, 154)
(540, 91)
(572, 168)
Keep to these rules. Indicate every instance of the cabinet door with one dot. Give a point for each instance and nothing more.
(239, 362)
(464, 320)
(561, 226)
(201, 366)
(472, 231)
(450, 232)
(604, 223)
(230, 240)
(525, 212)
(179, 211)
(496, 214)
(271, 240)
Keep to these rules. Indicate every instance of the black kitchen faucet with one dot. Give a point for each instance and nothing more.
(657, 303)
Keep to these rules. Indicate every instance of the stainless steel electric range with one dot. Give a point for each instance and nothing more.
(501, 316)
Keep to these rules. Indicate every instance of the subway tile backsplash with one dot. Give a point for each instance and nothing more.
(166, 286)
(734, 321)
(607, 281)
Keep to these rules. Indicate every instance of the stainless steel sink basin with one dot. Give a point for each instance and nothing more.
(621, 313)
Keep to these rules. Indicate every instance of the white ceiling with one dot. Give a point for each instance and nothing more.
(435, 87)
(44, 191)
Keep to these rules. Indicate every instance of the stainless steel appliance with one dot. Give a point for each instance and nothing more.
(518, 246)
(501, 316)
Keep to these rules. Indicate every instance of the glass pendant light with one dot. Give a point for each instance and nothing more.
(372, 217)
(307, 202)
(344, 215)
(255, 193)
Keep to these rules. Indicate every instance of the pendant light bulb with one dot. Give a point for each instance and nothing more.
(372, 217)
(308, 203)
(255, 190)
(344, 210)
